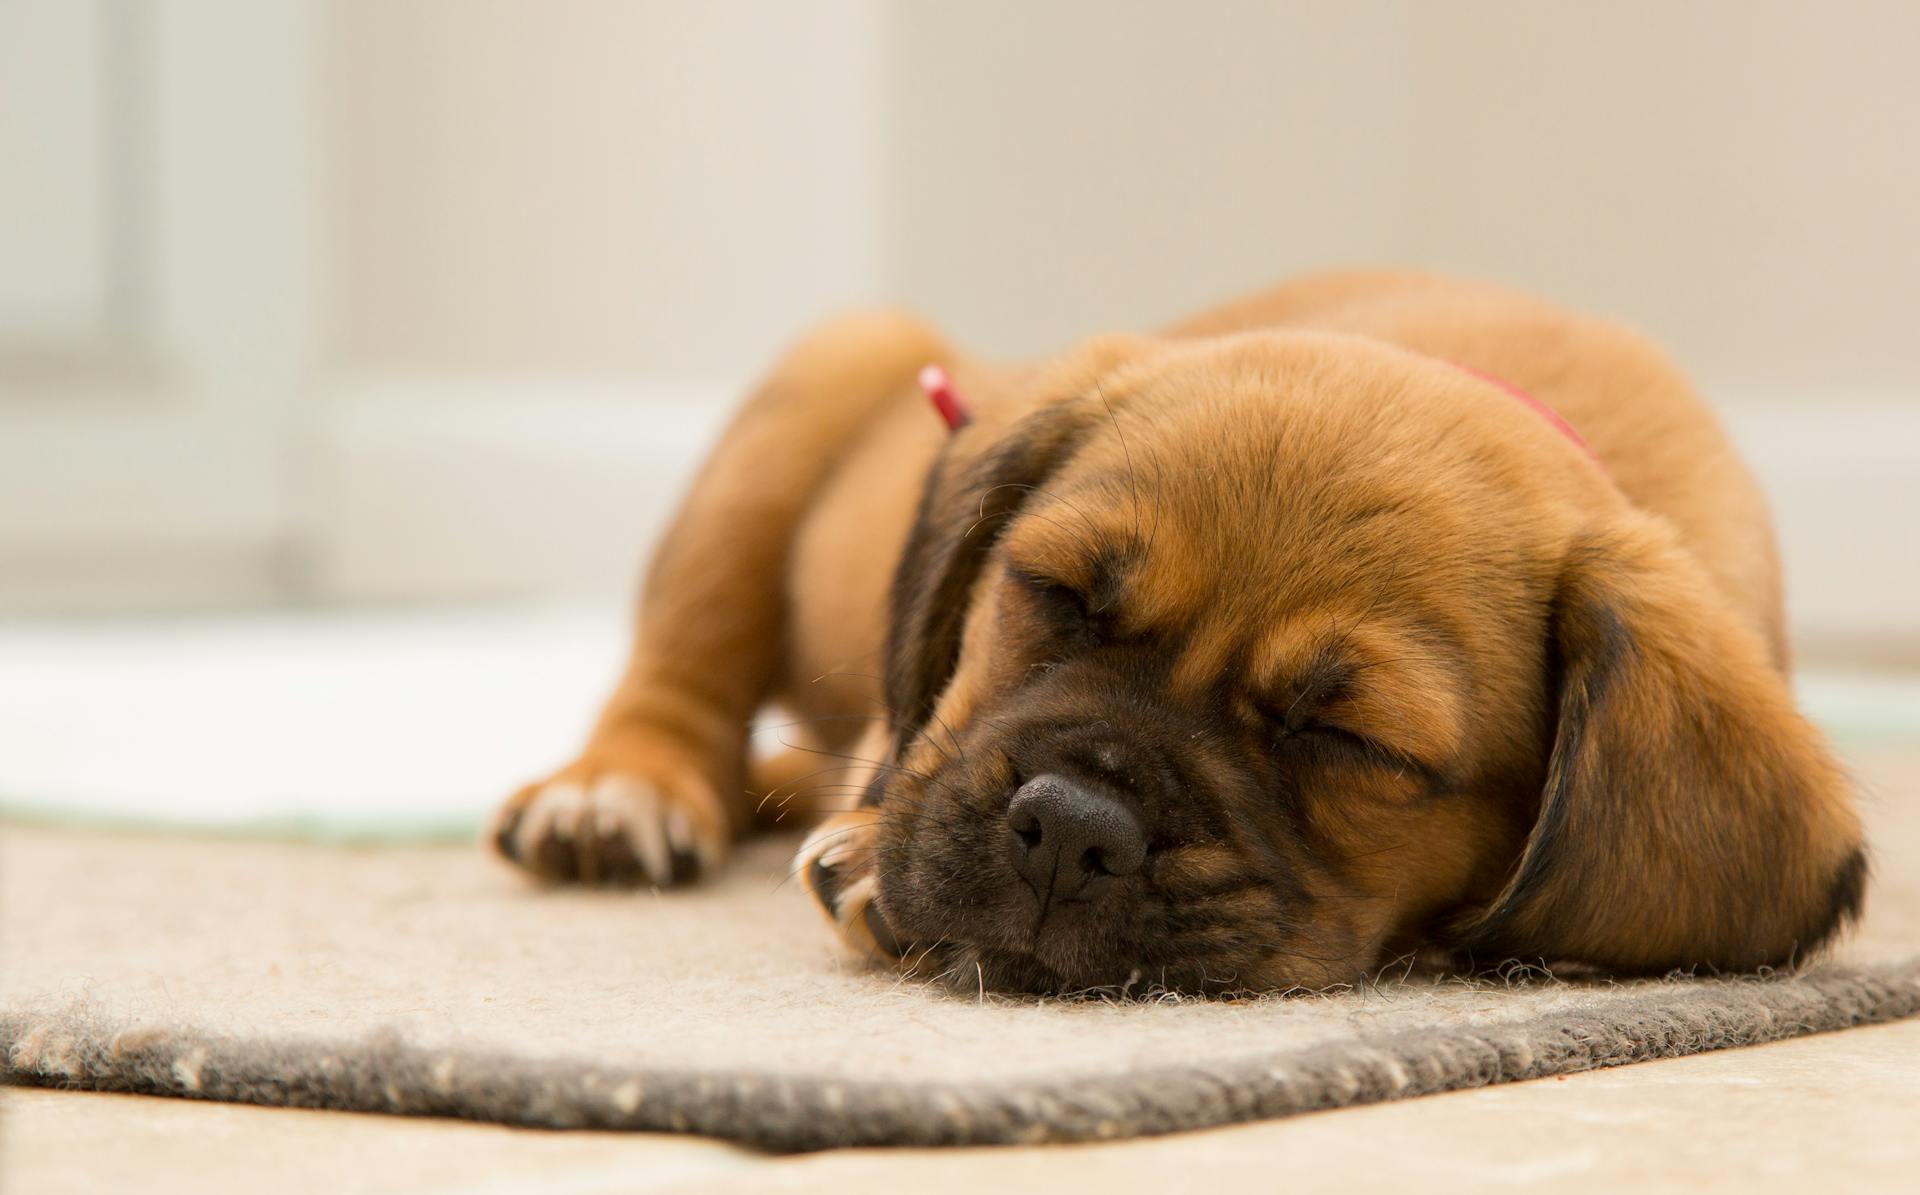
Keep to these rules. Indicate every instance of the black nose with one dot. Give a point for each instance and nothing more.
(1068, 840)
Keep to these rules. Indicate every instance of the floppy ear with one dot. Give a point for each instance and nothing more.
(1690, 816)
(980, 481)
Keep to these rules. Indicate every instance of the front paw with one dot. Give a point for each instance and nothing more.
(836, 866)
(616, 822)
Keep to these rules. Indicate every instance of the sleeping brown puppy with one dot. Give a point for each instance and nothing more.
(1246, 656)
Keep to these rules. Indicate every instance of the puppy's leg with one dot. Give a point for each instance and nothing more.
(659, 792)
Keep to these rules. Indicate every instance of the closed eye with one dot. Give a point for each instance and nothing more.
(1354, 746)
(1339, 734)
(1067, 609)
(1295, 725)
(1341, 737)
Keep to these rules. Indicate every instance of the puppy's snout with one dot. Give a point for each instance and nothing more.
(1069, 840)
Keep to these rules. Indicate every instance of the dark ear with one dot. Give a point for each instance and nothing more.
(1690, 816)
(980, 481)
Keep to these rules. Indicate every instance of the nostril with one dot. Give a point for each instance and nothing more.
(1071, 836)
(1026, 826)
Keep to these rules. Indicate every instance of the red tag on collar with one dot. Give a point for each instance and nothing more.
(938, 388)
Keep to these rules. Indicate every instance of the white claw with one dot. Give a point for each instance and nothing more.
(608, 820)
(687, 840)
(837, 841)
(639, 820)
(542, 819)
(679, 833)
(811, 849)
(853, 902)
(571, 811)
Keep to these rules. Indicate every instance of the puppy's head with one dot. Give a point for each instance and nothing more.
(1249, 664)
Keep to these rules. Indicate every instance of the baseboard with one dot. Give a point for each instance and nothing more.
(138, 500)
(1843, 479)
(173, 574)
(421, 491)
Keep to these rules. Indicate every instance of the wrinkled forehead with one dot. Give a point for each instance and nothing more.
(1261, 527)
(1231, 502)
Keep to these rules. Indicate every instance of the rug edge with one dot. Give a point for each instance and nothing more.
(79, 1048)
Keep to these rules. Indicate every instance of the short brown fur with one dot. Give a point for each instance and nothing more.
(1380, 661)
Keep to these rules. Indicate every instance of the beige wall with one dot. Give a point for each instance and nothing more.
(595, 186)
(668, 188)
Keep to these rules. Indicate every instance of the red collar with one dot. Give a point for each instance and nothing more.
(953, 411)
(1539, 408)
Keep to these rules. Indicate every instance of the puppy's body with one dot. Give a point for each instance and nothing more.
(1305, 500)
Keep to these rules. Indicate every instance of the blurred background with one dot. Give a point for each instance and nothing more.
(352, 351)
